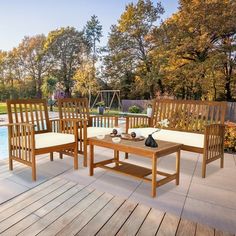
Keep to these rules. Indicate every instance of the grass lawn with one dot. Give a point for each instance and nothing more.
(3, 108)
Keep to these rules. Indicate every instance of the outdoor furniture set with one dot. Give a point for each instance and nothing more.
(193, 126)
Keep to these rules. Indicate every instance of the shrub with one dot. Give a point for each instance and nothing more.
(230, 137)
(134, 109)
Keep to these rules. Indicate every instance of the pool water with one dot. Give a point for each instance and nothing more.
(3, 143)
(4, 140)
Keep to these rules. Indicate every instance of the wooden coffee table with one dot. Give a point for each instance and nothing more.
(137, 147)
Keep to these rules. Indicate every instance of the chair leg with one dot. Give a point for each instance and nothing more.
(203, 169)
(76, 158)
(10, 164)
(51, 156)
(33, 169)
(85, 156)
(60, 155)
(222, 161)
(126, 155)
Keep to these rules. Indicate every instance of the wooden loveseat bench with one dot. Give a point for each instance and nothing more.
(198, 125)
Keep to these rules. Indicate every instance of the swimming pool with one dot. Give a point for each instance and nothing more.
(4, 140)
(3, 143)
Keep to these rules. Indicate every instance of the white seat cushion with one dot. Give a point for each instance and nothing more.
(52, 139)
(186, 138)
(94, 131)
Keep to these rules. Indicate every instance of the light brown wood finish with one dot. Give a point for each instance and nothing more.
(78, 108)
(204, 117)
(30, 117)
(140, 149)
(59, 206)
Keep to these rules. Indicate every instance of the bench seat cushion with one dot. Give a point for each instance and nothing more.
(51, 139)
(94, 131)
(186, 138)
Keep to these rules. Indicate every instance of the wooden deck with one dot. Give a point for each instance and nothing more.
(62, 207)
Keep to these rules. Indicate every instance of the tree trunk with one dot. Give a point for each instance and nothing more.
(39, 93)
(67, 93)
(228, 94)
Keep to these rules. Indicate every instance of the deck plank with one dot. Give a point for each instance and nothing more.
(135, 221)
(30, 200)
(220, 233)
(68, 216)
(168, 226)
(48, 219)
(64, 207)
(27, 194)
(17, 228)
(14, 218)
(204, 230)
(80, 221)
(186, 227)
(32, 218)
(101, 218)
(118, 219)
(151, 223)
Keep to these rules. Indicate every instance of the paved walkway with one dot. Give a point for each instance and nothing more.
(210, 201)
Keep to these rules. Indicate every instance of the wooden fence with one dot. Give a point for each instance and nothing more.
(230, 115)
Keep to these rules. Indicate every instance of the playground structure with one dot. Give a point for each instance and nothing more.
(108, 96)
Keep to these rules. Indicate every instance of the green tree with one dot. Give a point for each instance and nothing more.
(48, 87)
(68, 48)
(93, 32)
(133, 29)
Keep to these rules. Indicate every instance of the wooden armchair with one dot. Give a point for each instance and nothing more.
(77, 108)
(30, 133)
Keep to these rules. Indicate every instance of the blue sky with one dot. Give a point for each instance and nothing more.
(19, 18)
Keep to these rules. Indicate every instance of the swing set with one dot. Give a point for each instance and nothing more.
(108, 96)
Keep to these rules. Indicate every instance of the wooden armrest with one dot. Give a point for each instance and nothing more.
(133, 121)
(21, 124)
(107, 121)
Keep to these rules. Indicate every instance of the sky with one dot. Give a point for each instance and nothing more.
(19, 18)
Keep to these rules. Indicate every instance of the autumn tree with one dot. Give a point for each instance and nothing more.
(34, 60)
(133, 28)
(85, 82)
(67, 47)
(191, 38)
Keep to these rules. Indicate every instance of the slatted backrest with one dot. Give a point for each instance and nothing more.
(188, 115)
(31, 111)
(73, 108)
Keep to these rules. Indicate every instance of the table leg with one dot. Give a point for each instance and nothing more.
(154, 175)
(177, 167)
(91, 169)
(116, 157)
